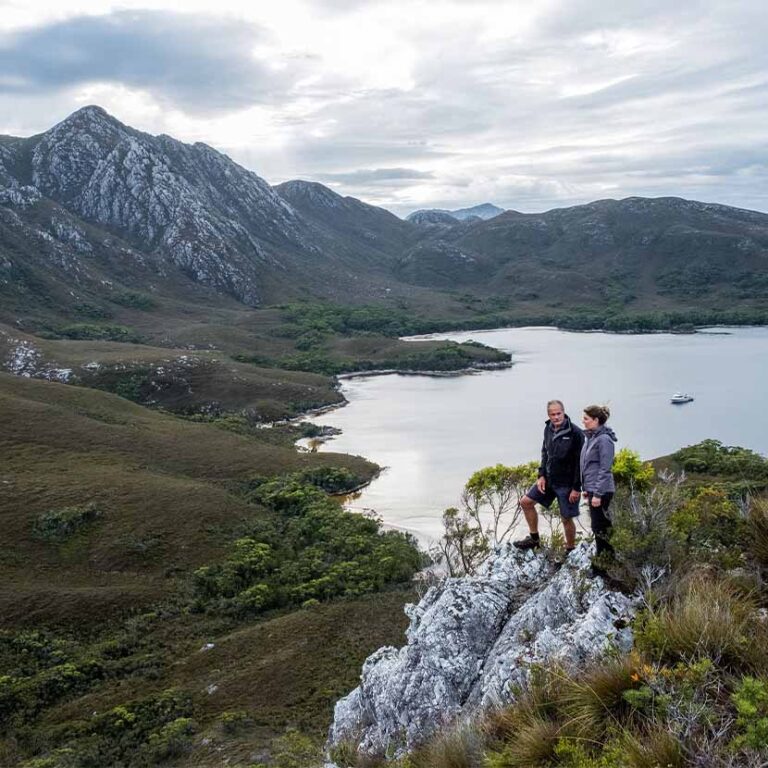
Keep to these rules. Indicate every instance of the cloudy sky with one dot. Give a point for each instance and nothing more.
(530, 104)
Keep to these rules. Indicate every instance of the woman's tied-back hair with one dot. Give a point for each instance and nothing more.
(599, 412)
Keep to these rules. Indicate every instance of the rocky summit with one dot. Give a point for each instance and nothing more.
(473, 641)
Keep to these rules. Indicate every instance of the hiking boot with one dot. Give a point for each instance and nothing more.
(595, 571)
(529, 542)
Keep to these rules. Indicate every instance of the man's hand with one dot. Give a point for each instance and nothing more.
(596, 501)
(573, 497)
(541, 484)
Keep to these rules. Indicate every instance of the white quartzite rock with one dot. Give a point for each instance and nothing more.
(472, 640)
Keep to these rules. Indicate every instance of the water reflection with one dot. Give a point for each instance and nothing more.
(432, 433)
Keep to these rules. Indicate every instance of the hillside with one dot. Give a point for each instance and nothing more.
(639, 253)
(163, 484)
(120, 523)
(93, 212)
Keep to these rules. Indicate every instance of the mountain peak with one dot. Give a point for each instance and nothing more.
(311, 191)
(91, 115)
(483, 211)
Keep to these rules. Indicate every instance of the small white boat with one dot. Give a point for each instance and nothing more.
(681, 397)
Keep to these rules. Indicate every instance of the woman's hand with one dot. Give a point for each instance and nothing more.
(573, 497)
(596, 501)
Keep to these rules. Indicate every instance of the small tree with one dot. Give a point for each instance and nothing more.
(463, 546)
(497, 490)
(490, 510)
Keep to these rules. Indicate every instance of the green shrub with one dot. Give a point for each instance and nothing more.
(172, 740)
(629, 470)
(296, 750)
(757, 531)
(751, 701)
(713, 458)
(86, 331)
(710, 527)
(86, 309)
(641, 537)
(234, 721)
(65, 522)
(309, 549)
(133, 300)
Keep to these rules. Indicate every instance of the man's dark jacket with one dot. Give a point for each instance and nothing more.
(560, 453)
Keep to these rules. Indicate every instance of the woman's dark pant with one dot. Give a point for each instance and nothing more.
(601, 524)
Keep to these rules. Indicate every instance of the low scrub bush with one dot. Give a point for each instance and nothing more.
(711, 457)
(133, 300)
(65, 522)
(86, 331)
(234, 721)
(629, 470)
(709, 527)
(751, 701)
(93, 311)
(707, 618)
(455, 748)
(310, 549)
(757, 531)
(296, 750)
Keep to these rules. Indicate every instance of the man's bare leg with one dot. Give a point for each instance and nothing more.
(531, 515)
(569, 528)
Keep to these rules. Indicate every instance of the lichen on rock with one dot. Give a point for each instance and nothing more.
(473, 641)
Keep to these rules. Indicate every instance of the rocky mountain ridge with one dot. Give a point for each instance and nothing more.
(189, 204)
(93, 206)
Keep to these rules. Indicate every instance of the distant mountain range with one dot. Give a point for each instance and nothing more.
(92, 208)
(481, 212)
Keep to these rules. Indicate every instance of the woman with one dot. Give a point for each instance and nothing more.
(597, 479)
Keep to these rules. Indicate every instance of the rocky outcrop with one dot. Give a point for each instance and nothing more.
(214, 219)
(472, 641)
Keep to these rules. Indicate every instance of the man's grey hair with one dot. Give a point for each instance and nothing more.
(555, 402)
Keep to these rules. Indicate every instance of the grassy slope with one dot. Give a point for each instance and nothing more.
(189, 380)
(287, 671)
(163, 485)
(166, 489)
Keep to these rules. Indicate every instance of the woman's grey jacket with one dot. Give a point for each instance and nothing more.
(597, 460)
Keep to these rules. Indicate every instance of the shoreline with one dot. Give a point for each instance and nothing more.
(467, 371)
(698, 329)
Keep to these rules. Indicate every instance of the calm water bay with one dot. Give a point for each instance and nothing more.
(432, 433)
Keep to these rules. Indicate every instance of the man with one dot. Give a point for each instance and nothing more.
(559, 477)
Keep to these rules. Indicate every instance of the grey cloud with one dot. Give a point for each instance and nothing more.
(492, 121)
(366, 176)
(199, 63)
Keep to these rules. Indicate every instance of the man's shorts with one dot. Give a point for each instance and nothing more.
(567, 509)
